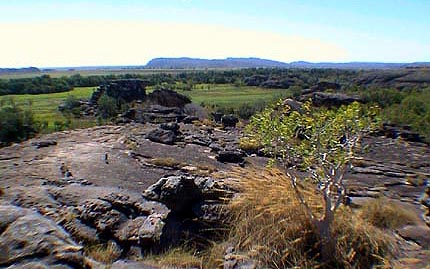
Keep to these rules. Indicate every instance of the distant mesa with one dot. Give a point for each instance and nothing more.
(19, 70)
(190, 63)
(196, 63)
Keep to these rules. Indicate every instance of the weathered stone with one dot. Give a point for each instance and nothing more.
(229, 120)
(162, 136)
(417, 234)
(217, 116)
(330, 99)
(151, 229)
(44, 143)
(190, 119)
(129, 231)
(30, 238)
(101, 214)
(168, 98)
(126, 89)
(230, 156)
(177, 192)
(170, 126)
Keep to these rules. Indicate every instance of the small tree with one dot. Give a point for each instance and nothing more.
(320, 141)
(107, 106)
(16, 124)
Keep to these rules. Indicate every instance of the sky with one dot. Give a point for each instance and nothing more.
(48, 33)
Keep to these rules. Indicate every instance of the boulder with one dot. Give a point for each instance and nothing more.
(416, 233)
(255, 80)
(178, 193)
(162, 114)
(217, 116)
(230, 156)
(170, 126)
(44, 143)
(168, 98)
(229, 120)
(190, 119)
(126, 89)
(325, 85)
(425, 202)
(101, 214)
(404, 132)
(293, 105)
(330, 99)
(29, 240)
(162, 136)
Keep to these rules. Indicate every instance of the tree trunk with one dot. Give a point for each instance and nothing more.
(328, 242)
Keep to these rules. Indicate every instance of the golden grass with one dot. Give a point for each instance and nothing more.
(175, 258)
(387, 214)
(271, 226)
(104, 253)
(166, 162)
(249, 145)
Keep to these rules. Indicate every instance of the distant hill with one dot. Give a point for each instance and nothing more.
(190, 63)
(19, 70)
(358, 65)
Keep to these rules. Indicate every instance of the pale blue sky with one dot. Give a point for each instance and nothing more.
(99, 32)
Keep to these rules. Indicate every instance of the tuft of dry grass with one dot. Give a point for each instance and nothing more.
(359, 243)
(271, 226)
(249, 145)
(166, 162)
(104, 253)
(387, 214)
(175, 258)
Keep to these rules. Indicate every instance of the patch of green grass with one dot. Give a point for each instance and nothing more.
(227, 95)
(45, 106)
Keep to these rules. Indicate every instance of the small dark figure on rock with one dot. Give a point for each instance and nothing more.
(63, 169)
(106, 158)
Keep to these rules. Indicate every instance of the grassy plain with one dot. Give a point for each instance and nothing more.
(45, 106)
(56, 73)
(227, 95)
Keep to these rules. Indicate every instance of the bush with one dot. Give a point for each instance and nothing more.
(16, 124)
(270, 225)
(107, 107)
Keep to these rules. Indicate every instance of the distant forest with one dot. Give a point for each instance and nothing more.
(399, 79)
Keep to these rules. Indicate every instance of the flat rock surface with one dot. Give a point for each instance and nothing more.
(120, 160)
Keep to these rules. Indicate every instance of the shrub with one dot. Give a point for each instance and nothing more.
(270, 225)
(107, 107)
(16, 124)
(322, 142)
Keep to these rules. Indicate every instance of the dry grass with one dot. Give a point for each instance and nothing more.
(272, 227)
(166, 162)
(249, 145)
(104, 253)
(387, 214)
(175, 258)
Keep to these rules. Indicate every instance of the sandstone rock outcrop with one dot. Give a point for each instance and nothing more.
(29, 240)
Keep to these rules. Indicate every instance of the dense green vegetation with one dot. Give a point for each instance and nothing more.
(44, 108)
(402, 94)
(16, 124)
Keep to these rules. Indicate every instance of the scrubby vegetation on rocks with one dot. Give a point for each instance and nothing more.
(162, 187)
